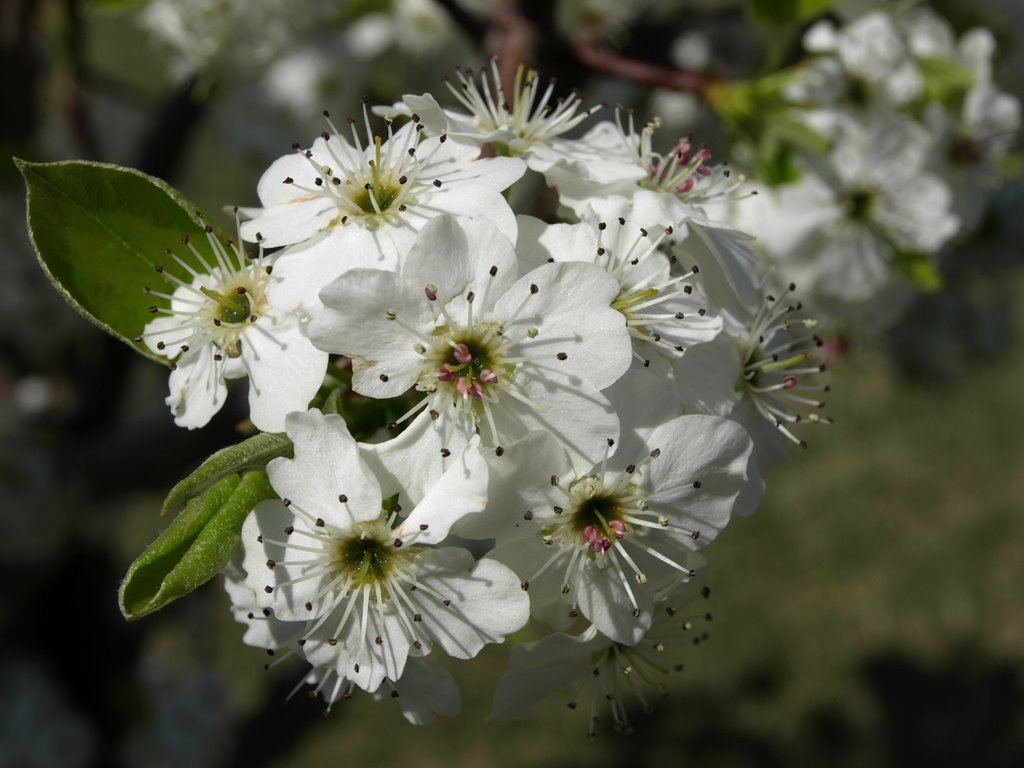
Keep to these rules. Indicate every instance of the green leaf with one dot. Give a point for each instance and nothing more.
(99, 232)
(253, 453)
(195, 546)
(945, 80)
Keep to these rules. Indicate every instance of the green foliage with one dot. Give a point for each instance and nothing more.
(195, 546)
(365, 416)
(99, 232)
(755, 112)
(253, 453)
(945, 81)
(114, 6)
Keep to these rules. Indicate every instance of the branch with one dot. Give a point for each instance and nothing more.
(610, 63)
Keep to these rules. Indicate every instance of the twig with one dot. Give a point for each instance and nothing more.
(610, 63)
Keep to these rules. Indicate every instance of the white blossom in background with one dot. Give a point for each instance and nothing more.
(970, 142)
(229, 36)
(866, 62)
(227, 323)
(839, 231)
(490, 351)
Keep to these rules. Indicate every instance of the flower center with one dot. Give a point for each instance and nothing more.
(965, 151)
(376, 197)
(232, 308)
(471, 363)
(367, 558)
(860, 204)
(858, 90)
(677, 171)
(597, 514)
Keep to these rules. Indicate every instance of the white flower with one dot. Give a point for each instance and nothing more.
(839, 231)
(226, 323)
(663, 313)
(599, 542)
(423, 691)
(601, 671)
(366, 590)
(763, 371)
(527, 124)
(342, 205)
(232, 38)
(616, 160)
(876, 63)
(493, 353)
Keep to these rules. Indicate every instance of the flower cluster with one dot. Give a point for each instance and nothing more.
(587, 402)
(914, 129)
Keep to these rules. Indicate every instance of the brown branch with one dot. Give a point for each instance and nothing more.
(610, 63)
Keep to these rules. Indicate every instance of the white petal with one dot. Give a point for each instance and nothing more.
(461, 491)
(327, 464)
(412, 462)
(604, 600)
(354, 323)
(285, 370)
(708, 450)
(569, 408)
(572, 313)
(456, 254)
(706, 376)
(197, 389)
(487, 602)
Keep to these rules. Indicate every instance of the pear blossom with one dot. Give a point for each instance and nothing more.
(599, 542)
(621, 160)
(601, 671)
(492, 352)
(362, 583)
(765, 372)
(869, 58)
(840, 230)
(341, 204)
(527, 122)
(227, 323)
(423, 691)
(664, 313)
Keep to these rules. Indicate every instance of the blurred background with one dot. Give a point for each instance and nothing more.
(869, 614)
